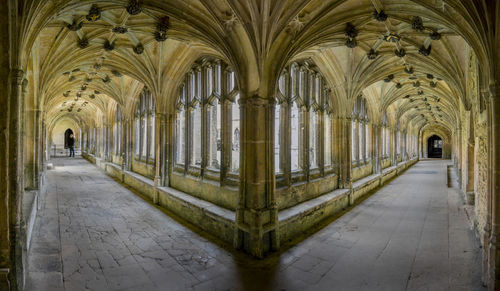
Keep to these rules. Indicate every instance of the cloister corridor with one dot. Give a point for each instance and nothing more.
(92, 233)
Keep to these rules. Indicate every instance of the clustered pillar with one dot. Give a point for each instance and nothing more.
(257, 213)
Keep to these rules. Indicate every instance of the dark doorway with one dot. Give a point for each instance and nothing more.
(66, 137)
(435, 147)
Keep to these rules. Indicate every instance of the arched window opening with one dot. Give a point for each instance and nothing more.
(208, 119)
(180, 128)
(302, 121)
(435, 147)
(385, 137)
(360, 132)
(328, 135)
(117, 131)
(144, 128)
(235, 137)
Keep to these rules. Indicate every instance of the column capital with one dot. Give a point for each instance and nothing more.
(258, 101)
(493, 91)
(17, 76)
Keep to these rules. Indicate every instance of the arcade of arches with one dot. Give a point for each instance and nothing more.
(253, 119)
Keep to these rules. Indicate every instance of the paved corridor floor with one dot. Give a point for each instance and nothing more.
(94, 234)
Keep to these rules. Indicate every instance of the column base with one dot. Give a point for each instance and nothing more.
(470, 197)
(261, 238)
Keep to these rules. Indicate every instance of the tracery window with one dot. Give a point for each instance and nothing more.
(360, 132)
(208, 96)
(302, 120)
(385, 137)
(144, 128)
(117, 131)
(399, 144)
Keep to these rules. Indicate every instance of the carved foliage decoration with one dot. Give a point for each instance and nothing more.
(380, 16)
(372, 54)
(425, 51)
(139, 49)
(435, 35)
(134, 7)
(417, 23)
(400, 52)
(109, 46)
(120, 29)
(351, 32)
(94, 14)
(389, 78)
(75, 26)
(83, 43)
(162, 27)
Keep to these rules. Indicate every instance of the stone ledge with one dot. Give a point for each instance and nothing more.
(217, 221)
(214, 219)
(298, 219)
(30, 208)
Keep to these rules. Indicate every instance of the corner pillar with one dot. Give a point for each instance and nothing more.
(494, 240)
(257, 211)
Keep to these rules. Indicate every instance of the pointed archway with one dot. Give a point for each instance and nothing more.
(435, 147)
(67, 133)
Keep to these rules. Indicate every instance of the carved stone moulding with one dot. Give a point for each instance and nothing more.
(75, 26)
(109, 46)
(435, 35)
(417, 23)
(94, 13)
(400, 52)
(416, 84)
(389, 78)
(351, 43)
(134, 7)
(139, 49)
(120, 29)
(392, 37)
(409, 70)
(163, 24)
(425, 51)
(380, 16)
(372, 54)
(160, 36)
(351, 31)
(83, 43)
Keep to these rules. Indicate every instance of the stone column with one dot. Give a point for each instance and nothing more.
(257, 212)
(123, 147)
(159, 136)
(12, 253)
(345, 152)
(130, 148)
(225, 139)
(39, 148)
(377, 165)
(494, 252)
(487, 227)
(469, 171)
(168, 148)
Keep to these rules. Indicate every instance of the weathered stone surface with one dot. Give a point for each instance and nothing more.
(411, 234)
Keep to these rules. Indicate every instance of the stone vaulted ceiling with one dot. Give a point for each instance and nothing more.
(408, 58)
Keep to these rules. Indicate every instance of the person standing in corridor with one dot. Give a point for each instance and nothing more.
(71, 145)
